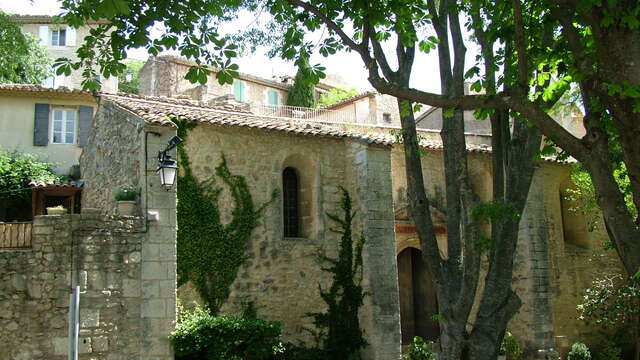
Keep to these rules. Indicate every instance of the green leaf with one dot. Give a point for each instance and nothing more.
(448, 112)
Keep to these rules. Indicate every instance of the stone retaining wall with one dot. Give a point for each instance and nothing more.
(100, 253)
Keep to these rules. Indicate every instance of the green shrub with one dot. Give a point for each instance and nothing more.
(200, 335)
(297, 352)
(608, 350)
(420, 350)
(579, 351)
(510, 347)
(18, 169)
(126, 193)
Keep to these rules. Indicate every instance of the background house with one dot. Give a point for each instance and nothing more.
(61, 40)
(164, 76)
(51, 123)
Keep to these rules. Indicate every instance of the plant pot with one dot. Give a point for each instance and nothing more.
(502, 357)
(126, 208)
(56, 211)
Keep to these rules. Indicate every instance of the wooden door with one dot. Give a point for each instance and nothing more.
(418, 303)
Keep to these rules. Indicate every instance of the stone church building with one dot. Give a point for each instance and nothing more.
(350, 144)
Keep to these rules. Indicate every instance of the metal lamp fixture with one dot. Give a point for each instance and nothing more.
(168, 167)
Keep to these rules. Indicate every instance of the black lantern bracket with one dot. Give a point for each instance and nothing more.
(167, 166)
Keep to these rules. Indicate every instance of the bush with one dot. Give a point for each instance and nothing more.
(126, 193)
(297, 352)
(608, 350)
(420, 350)
(17, 170)
(579, 351)
(200, 335)
(510, 347)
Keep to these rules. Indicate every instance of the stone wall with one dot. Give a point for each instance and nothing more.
(103, 255)
(281, 275)
(165, 77)
(113, 158)
(550, 273)
(122, 150)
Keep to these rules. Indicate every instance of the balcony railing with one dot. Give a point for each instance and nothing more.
(15, 235)
(348, 116)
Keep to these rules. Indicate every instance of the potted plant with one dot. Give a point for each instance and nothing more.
(126, 198)
(56, 210)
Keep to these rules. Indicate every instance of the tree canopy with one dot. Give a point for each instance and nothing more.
(22, 59)
(336, 95)
(133, 86)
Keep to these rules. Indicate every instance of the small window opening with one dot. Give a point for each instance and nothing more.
(386, 117)
(58, 37)
(290, 188)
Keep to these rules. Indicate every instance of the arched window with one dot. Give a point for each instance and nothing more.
(290, 187)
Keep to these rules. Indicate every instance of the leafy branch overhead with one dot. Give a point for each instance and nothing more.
(188, 27)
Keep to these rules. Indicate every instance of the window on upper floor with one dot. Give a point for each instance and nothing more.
(64, 127)
(386, 117)
(272, 97)
(239, 90)
(58, 37)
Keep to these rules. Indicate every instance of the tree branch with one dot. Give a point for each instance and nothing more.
(520, 45)
(330, 24)
(380, 57)
(459, 51)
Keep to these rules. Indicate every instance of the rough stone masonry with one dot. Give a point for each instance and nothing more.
(104, 256)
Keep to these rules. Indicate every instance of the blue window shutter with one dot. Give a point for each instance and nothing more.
(238, 90)
(85, 118)
(273, 97)
(41, 125)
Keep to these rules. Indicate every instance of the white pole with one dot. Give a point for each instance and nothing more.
(74, 320)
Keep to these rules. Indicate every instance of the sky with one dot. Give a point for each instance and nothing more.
(346, 65)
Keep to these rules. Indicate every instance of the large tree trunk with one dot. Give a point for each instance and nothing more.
(452, 323)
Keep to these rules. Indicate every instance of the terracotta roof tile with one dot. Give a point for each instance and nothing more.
(160, 111)
(40, 88)
(52, 184)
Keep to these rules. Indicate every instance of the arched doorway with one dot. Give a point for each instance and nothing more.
(418, 301)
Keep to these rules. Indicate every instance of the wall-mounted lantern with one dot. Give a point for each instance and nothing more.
(168, 167)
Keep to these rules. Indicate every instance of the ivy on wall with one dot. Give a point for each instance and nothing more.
(344, 337)
(210, 253)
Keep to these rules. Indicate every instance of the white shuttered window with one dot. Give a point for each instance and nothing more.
(64, 127)
(58, 37)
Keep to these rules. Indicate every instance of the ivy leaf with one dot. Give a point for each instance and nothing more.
(448, 112)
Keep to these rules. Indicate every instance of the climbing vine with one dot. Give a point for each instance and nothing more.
(344, 298)
(210, 252)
